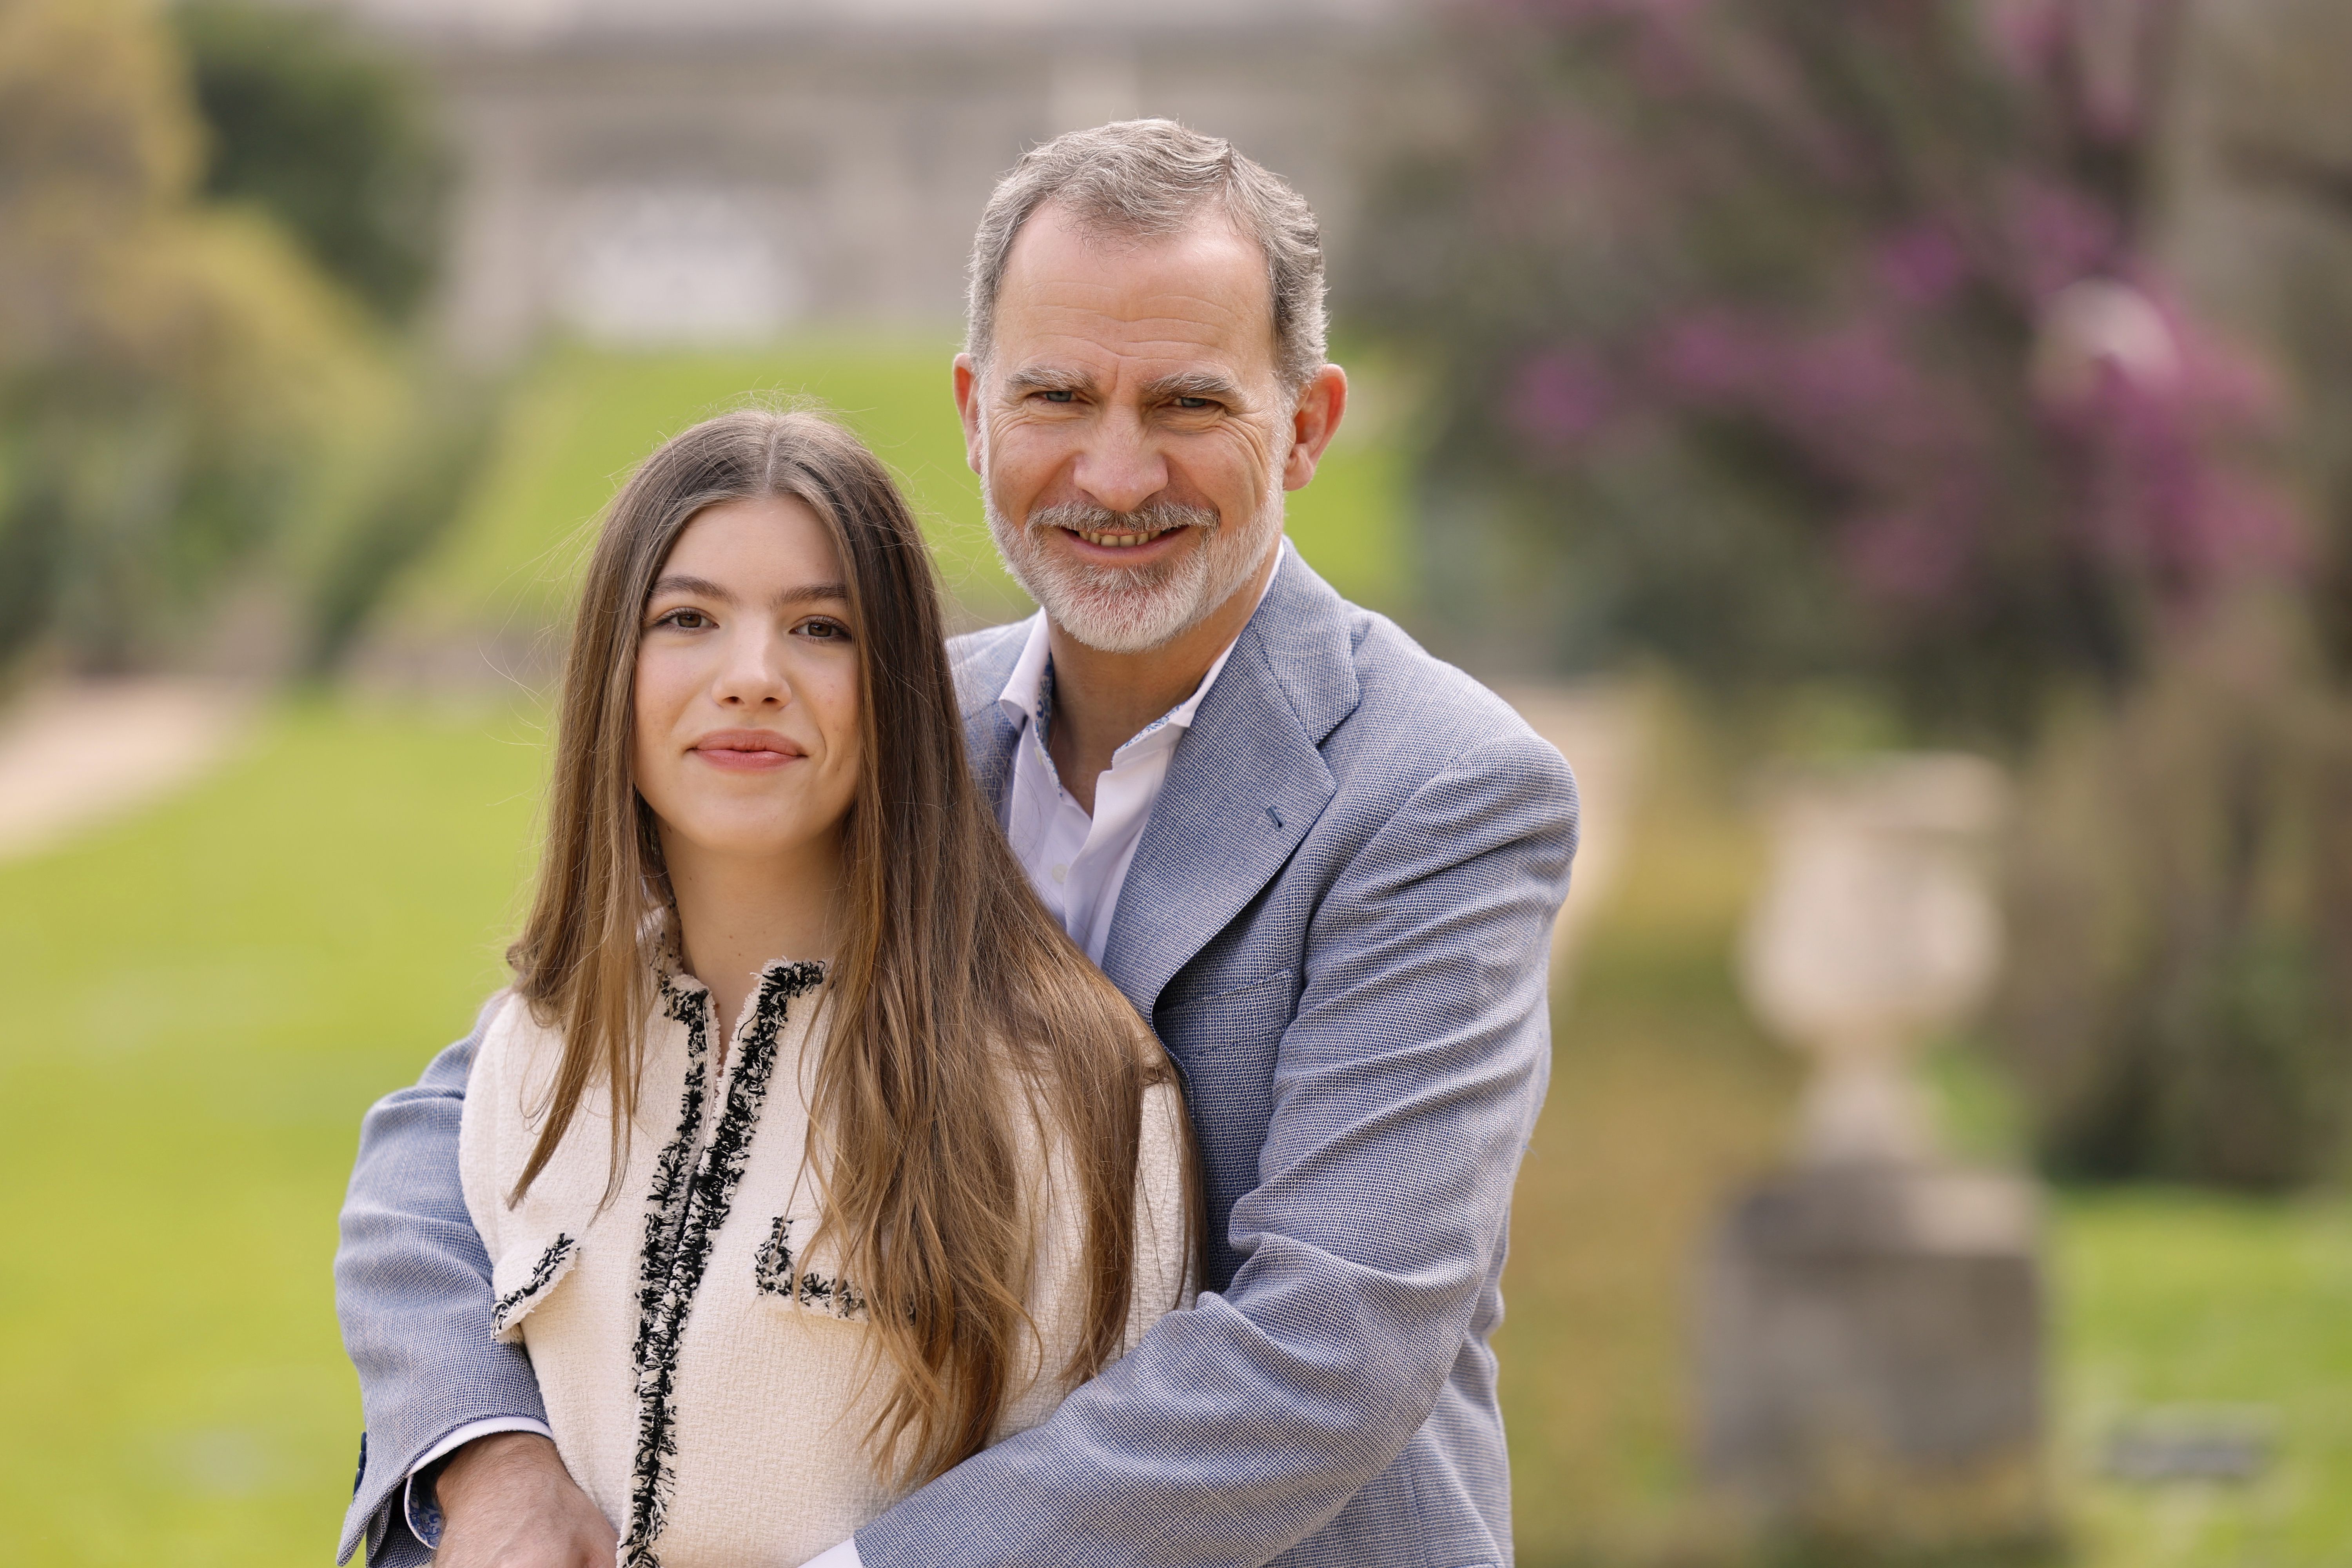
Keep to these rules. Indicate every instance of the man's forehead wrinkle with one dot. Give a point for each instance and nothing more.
(1187, 312)
(1092, 334)
(1076, 353)
(1067, 328)
(1094, 327)
(1179, 370)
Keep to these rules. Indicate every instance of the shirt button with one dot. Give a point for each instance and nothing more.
(1061, 873)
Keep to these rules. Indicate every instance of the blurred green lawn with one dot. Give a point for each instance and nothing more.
(201, 1002)
(2189, 1299)
(199, 1005)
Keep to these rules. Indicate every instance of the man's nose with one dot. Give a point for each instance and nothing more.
(1120, 467)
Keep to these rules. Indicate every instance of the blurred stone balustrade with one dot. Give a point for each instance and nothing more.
(711, 172)
(1870, 1322)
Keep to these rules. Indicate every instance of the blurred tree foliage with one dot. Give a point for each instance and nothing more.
(1799, 342)
(2265, 220)
(332, 137)
(2182, 998)
(173, 380)
(335, 139)
(427, 468)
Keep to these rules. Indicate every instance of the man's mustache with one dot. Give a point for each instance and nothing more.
(1158, 517)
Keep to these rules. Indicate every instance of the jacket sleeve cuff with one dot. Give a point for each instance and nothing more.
(417, 1502)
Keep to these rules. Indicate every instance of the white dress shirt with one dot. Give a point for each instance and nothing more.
(1077, 862)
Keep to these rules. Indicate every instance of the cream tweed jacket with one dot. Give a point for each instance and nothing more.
(703, 1369)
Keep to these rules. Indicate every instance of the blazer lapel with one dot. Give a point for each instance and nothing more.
(984, 662)
(988, 737)
(1245, 784)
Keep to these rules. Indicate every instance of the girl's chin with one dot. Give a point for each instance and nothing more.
(716, 841)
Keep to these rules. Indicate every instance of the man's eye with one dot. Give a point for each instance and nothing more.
(1194, 405)
(1059, 394)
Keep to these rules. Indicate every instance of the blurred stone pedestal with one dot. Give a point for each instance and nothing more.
(1870, 1354)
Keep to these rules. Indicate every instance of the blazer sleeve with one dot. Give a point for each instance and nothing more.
(1404, 1092)
(413, 1291)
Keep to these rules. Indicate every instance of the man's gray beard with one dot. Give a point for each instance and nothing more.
(1128, 609)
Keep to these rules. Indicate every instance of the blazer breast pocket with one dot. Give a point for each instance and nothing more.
(1219, 1016)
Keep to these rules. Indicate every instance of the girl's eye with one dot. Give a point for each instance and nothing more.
(685, 620)
(826, 631)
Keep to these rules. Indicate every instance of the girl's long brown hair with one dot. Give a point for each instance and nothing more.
(955, 1002)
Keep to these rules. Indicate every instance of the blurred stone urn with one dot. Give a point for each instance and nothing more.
(1870, 1316)
(1875, 931)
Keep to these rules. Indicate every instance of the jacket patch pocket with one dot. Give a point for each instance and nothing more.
(1224, 1014)
(778, 1272)
(522, 1277)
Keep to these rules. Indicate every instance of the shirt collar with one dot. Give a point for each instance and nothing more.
(1027, 682)
(1025, 689)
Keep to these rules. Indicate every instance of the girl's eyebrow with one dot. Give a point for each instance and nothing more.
(704, 588)
(701, 587)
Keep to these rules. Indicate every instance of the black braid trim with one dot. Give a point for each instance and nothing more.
(682, 1250)
(542, 1274)
(772, 1274)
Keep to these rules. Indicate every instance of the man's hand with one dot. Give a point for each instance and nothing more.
(507, 1501)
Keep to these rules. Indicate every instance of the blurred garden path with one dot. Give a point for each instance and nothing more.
(1597, 725)
(76, 754)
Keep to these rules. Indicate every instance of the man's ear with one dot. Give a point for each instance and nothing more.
(1313, 423)
(967, 396)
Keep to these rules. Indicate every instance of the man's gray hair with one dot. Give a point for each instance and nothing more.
(1147, 179)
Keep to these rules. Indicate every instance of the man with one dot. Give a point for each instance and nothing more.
(1323, 864)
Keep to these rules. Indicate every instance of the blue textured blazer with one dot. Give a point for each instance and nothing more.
(1337, 920)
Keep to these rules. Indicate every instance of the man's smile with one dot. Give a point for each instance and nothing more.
(1112, 540)
(1124, 543)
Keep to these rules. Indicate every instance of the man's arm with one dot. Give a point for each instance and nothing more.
(1406, 1088)
(413, 1289)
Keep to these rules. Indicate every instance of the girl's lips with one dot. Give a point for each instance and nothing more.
(744, 761)
(747, 751)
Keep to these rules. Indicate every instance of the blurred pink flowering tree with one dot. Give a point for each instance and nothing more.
(1787, 338)
(1794, 340)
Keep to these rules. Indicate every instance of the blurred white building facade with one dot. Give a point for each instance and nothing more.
(717, 171)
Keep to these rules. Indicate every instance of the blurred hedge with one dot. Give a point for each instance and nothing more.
(219, 436)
